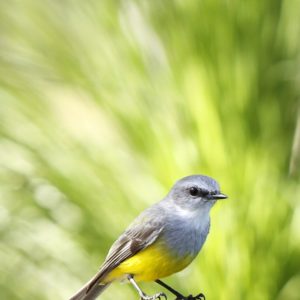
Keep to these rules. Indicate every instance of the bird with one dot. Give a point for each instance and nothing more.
(164, 239)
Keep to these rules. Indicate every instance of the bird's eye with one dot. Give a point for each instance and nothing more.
(194, 191)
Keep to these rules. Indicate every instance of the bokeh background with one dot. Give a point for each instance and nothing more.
(104, 104)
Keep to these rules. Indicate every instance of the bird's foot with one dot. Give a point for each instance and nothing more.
(153, 297)
(191, 297)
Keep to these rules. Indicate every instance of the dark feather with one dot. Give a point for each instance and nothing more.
(144, 231)
(137, 237)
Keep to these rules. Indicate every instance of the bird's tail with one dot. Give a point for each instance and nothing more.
(91, 290)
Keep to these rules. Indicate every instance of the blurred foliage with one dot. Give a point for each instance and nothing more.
(104, 104)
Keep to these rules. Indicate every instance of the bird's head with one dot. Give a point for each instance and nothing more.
(196, 192)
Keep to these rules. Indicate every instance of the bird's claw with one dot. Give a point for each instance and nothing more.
(154, 297)
(191, 297)
(199, 297)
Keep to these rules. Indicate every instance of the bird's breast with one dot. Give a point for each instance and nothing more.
(186, 236)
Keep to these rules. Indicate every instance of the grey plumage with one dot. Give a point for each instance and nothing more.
(92, 294)
(180, 221)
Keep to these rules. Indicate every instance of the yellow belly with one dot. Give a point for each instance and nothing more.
(150, 264)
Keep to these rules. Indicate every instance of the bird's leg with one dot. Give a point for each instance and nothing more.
(143, 296)
(178, 295)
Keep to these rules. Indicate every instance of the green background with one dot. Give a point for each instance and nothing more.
(104, 104)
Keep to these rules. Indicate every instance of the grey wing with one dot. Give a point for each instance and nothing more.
(141, 233)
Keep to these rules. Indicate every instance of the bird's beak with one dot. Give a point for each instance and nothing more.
(219, 197)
